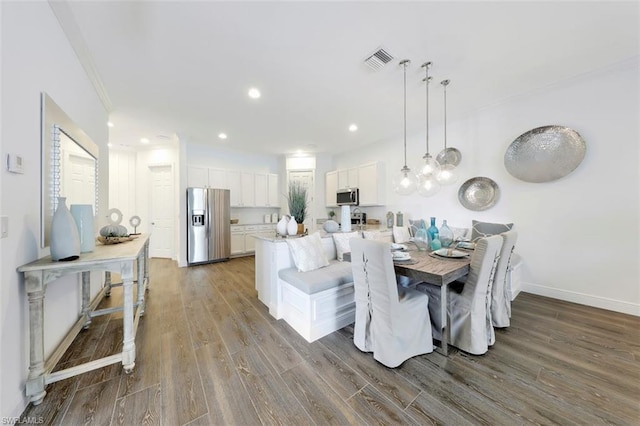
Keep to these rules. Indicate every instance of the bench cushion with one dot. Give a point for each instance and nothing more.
(334, 275)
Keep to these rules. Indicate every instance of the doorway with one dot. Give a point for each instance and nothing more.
(161, 211)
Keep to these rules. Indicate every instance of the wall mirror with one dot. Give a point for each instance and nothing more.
(69, 164)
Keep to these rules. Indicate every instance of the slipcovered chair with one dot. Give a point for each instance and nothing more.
(500, 297)
(391, 321)
(469, 309)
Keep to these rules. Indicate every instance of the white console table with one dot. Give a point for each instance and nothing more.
(119, 258)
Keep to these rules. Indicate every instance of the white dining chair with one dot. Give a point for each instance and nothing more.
(391, 321)
(500, 298)
(469, 309)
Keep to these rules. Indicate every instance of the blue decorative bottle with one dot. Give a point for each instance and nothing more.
(435, 243)
(432, 230)
(446, 234)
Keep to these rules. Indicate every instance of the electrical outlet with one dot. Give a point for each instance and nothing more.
(4, 226)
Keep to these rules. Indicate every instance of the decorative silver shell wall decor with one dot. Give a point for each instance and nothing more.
(545, 154)
(453, 156)
(479, 193)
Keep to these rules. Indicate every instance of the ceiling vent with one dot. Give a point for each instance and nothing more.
(378, 59)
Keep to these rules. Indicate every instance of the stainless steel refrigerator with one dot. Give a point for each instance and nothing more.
(208, 225)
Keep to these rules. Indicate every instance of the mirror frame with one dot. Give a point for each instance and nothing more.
(53, 121)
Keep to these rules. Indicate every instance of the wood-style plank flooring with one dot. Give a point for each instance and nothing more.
(208, 352)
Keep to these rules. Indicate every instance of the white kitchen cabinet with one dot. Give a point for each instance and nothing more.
(371, 184)
(248, 189)
(368, 178)
(273, 200)
(348, 178)
(234, 182)
(261, 188)
(237, 240)
(243, 241)
(331, 188)
(218, 178)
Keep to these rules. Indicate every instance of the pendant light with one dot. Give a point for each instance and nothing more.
(404, 183)
(448, 174)
(428, 183)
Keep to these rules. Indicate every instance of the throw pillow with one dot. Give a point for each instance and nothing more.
(414, 225)
(307, 252)
(341, 239)
(401, 234)
(459, 234)
(486, 229)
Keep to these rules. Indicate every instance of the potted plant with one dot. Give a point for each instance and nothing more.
(297, 198)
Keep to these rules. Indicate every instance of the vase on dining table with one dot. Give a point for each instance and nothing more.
(435, 244)
(421, 239)
(432, 230)
(446, 234)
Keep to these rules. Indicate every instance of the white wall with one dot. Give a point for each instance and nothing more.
(36, 57)
(578, 235)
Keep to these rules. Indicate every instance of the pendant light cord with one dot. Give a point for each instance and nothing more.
(404, 64)
(427, 79)
(445, 83)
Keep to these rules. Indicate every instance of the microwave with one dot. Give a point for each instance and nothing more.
(348, 197)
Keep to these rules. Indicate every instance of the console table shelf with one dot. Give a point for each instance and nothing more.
(119, 258)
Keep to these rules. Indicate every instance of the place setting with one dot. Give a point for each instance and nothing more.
(449, 253)
(402, 257)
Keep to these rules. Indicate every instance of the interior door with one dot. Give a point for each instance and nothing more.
(305, 177)
(161, 212)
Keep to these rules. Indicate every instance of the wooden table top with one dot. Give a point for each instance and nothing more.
(432, 269)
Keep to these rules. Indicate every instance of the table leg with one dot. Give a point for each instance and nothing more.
(107, 283)
(86, 290)
(35, 292)
(128, 342)
(141, 282)
(445, 320)
(146, 264)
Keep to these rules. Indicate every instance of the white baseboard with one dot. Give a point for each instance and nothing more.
(581, 298)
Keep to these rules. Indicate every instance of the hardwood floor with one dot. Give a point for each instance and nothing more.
(208, 352)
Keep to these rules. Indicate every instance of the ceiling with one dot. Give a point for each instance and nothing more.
(182, 69)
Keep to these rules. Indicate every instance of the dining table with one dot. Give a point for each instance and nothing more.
(426, 266)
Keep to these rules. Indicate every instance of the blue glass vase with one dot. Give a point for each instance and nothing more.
(421, 239)
(446, 234)
(432, 229)
(435, 243)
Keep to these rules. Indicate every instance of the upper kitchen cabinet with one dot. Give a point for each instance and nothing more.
(266, 188)
(272, 191)
(369, 178)
(371, 181)
(348, 178)
(204, 177)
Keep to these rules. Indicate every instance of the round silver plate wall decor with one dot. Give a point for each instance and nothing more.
(545, 154)
(453, 156)
(479, 193)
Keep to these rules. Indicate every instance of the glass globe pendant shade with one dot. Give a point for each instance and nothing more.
(429, 167)
(428, 185)
(448, 174)
(404, 182)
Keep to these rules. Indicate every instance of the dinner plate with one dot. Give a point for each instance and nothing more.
(396, 246)
(467, 245)
(400, 255)
(444, 252)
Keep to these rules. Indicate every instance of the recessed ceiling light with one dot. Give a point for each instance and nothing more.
(144, 140)
(254, 93)
(222, 135)
(353, 127)
(109, 124)
(110, 145)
